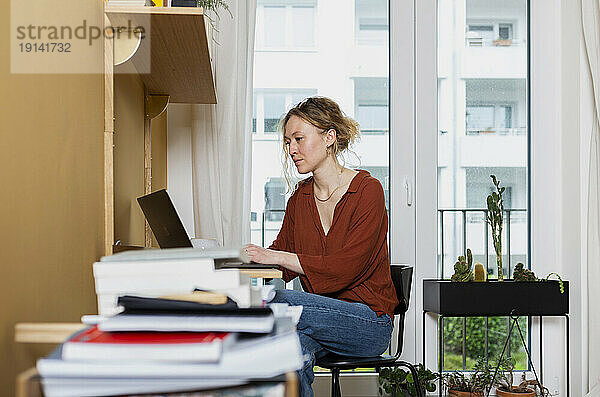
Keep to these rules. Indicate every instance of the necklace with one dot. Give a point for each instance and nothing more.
(331, 195)
(324, 200)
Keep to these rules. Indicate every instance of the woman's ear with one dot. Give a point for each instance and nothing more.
(330, 137)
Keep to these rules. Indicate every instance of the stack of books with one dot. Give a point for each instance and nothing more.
(156, 273)
(161, 345)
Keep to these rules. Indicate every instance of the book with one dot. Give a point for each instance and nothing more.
(97, 345)
(188, 323)
(88, 387)
(259, 357)
(153, 267)
(233, 253)
(184, 282)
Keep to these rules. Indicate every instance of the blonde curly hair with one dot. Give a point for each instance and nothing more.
(324, 114)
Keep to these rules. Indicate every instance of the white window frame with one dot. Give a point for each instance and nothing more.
(413, 163)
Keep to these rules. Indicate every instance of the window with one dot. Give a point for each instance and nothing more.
(477, 35)
(488, 118)
(505, 31)
(496, 109)
(271, 104)
(275, 199)
(495, 105)
(372, 105)
(282, 78)
(285, 24)
(371, 22)
(481, 34)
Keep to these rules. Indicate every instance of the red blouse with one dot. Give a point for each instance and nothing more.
(351, 262)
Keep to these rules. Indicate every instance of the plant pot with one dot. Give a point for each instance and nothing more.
(502, 393)
(535, 298)
(457, 393)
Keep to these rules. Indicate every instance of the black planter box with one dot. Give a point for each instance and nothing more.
(495, 298)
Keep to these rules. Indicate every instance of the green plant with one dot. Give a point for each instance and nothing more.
(505, 378)
(476, 382)
(495, 218)
(463, 268)
(399, 382)
(560, 281)
(522, 274)
(478, 337)
(212, 7)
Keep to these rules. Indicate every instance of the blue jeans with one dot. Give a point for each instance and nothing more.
(331, 325)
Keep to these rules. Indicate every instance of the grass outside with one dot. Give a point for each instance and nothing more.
(454, 361)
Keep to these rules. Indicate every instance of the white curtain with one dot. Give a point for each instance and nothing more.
(591, 29)
(221, 142)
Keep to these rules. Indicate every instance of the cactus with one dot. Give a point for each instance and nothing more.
(479, 272)
(462, 268)
(495, 218)
(522, 274)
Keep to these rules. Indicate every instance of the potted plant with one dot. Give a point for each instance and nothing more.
(503, 42)
(495, 218)
(475, 384)
(463, 268)
(522, 274)
(398, 382)
(504, 381)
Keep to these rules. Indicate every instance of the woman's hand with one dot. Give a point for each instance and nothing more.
(271, 257)
(261, 255)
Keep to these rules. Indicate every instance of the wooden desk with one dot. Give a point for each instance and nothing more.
(262, 273)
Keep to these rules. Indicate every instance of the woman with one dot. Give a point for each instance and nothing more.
(334, 237)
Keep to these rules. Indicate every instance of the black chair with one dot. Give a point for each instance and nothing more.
(402, 279)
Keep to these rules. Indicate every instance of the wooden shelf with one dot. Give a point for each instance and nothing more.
(175, 52)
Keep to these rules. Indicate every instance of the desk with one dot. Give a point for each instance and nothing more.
(262, 273)
(29, 382)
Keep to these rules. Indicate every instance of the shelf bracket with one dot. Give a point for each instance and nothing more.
(155, 105)
(126, 44)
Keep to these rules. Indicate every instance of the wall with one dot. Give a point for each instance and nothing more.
(129, 150)
(51, 204)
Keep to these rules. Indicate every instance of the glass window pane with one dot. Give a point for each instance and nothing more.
(274, 26)
(371, 22)
(274, 109)
(482, 109)
(282, 78)
(303, 26)
(480, 117)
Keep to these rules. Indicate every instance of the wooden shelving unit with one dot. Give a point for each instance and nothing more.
(175, 52)
(173, 62)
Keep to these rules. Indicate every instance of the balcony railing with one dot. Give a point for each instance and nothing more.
(497, 131)
(481, 42)
(461, 334)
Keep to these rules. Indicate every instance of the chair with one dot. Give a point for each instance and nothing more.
(402, 279)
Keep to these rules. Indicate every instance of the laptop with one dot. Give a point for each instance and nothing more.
(170, 233)
(163, 220)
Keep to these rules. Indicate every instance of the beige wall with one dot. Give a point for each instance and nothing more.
(51, 201)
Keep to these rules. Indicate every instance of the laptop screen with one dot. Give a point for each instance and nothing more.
(163, 220)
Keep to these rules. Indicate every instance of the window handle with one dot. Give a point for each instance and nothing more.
(408, 188)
